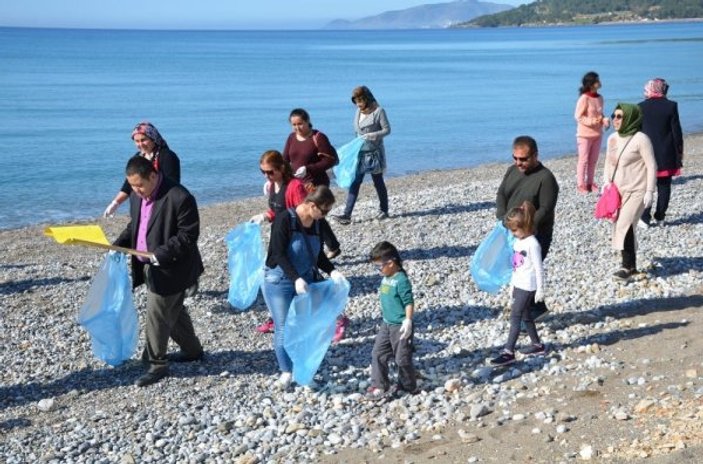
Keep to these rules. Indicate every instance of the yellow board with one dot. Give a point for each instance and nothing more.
(83, 235)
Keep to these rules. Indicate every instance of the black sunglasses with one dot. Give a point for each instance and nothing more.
(266, 172)
(616, 116)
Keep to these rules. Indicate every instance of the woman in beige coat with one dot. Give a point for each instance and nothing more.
(630, 164)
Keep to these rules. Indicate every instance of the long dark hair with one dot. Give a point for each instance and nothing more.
(590, 78)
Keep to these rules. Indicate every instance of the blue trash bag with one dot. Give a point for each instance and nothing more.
(310, 326)
(245, 259)
(492, 266)
(108, 313)
(345, 171)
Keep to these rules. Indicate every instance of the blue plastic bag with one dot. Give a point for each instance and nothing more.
(310, 326)
(491, 266)
(345, 171)
(108, 313)
(245, 259)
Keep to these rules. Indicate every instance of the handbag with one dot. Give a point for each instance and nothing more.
(608, 205)
(370, 161)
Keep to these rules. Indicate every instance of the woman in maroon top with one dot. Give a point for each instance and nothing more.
(311, 154)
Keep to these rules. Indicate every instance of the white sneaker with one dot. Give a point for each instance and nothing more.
(642, 225)
(284, 380)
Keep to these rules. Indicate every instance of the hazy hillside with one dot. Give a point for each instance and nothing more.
(436, 15)
(591, 12)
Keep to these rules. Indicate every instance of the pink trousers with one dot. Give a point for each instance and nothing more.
(588, 150)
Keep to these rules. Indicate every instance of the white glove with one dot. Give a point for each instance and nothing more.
(336, 276)
(111, 208)
(153, 260)
(406, 328)
(301, 286)
(647, 199)
(539, 295)
(300, 173)
(258, 218)
(267, 188)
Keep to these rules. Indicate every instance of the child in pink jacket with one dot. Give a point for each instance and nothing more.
(589, 131)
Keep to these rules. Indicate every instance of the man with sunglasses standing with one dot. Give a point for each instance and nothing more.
(529, 180)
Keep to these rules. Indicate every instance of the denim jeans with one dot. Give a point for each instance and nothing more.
(278, 291)
(354, 192)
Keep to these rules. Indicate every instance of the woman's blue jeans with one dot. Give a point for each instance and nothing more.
(354, 192)
(278, 293)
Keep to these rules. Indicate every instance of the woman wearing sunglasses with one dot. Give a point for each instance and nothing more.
(631, 166)
(295, 256)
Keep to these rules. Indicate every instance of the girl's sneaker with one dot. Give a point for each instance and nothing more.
(534, 350)
(266, 327)
(342, 324)
(504, 359)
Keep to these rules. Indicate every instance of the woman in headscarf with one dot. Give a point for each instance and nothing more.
(660, 121)
(631, 166)
(153, 147)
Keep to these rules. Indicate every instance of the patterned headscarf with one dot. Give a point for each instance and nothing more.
(146, 128)
(631, 119)
(656, 88)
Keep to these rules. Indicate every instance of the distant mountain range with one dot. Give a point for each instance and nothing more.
(544, 12)
(432, 16)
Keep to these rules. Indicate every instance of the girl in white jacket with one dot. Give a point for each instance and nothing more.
(527, 282)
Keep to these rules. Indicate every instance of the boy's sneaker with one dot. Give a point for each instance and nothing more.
(534, 350)
(266, 327)
(342, 324)
(504, 359)
(342, 219)
(375, 394)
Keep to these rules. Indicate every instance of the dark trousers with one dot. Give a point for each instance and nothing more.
(387, 346)
(520, 312)
(327, 236)
(167, 317)
(663, 196)
(629, 258)
(354, 188)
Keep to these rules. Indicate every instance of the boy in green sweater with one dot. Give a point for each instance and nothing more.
(394, 339)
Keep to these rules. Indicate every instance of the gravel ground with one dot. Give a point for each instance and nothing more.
(59, 404)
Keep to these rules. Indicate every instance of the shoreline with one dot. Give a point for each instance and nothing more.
(58, 403)
(254, 201)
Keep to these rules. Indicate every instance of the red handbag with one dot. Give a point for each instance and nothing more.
(608, 205)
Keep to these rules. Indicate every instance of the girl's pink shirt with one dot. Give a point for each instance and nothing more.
(588, 109)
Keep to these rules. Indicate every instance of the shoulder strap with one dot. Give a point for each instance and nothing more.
(618, 161)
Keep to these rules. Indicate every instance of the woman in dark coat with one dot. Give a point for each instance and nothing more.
(660, 121)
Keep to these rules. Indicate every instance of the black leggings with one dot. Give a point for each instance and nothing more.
(522, 300)
(629, 259)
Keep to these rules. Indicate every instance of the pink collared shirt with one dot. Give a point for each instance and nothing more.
(144, 217)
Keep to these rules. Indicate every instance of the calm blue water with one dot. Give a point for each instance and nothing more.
(454, 98)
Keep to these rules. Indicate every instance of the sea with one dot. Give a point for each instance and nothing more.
(454, 98)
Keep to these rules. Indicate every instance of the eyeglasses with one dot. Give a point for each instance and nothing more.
(522, 159)
(380, 266)
(324, 211)
(616, 116)
(267, 172)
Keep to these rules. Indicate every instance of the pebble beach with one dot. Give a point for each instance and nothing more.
(58, 404)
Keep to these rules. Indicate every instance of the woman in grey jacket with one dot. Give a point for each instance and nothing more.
(371, 123)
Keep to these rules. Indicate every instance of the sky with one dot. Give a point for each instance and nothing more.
(196, 14)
